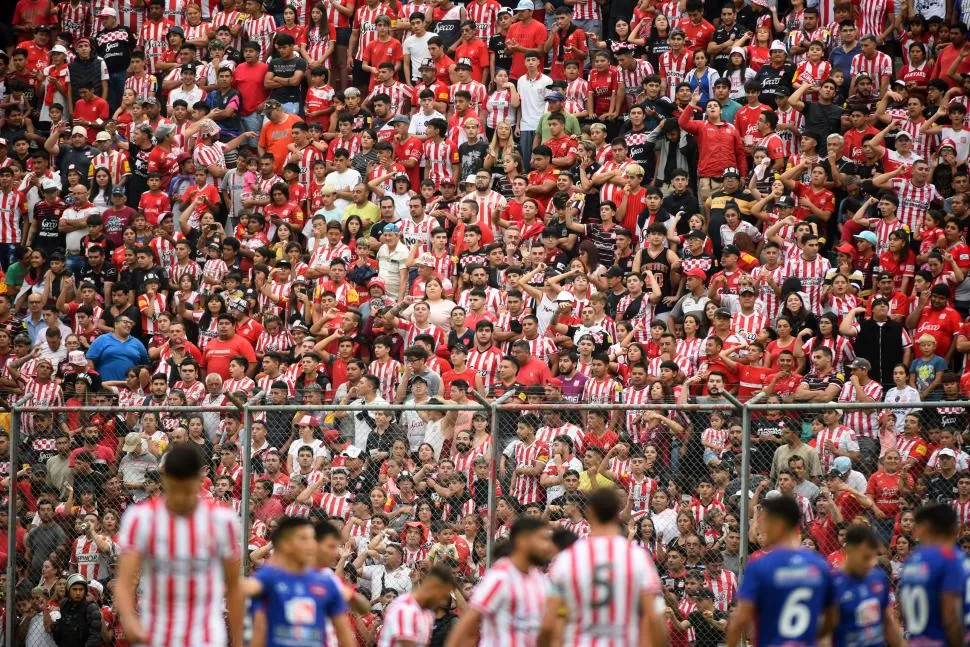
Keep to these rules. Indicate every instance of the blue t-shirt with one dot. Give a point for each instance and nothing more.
(113, 357)
(862, 606)
(929, 572)
(926, 371)
(298, 606)
(790, 588)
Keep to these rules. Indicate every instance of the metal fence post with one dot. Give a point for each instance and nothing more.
(12, 522)
(745, 479)
(247, 461)
(493, 475)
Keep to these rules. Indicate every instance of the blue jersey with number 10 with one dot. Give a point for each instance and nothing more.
(929, 572)
(790, 588)
(862, 603)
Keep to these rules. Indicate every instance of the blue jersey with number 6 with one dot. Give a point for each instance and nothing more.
(929, 572)
(790, 588)
(862, 603)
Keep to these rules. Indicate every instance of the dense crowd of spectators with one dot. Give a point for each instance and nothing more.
(364, 202)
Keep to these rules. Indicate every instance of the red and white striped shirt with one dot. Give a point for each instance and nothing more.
(748, 326)
(609, 191)
(600, 581)
(477, 91)
(632, 79)
(438, 160)
(601, 391)
(842, 437)
(876, 67)
(864, 423)
(812, 275)
(333, 505)
(526, 489)
(963, 511)
(279, 342)
(151, 40)
(576, 93)
(914, 201)
(498, 108)
(76, 19)
(90, 562)
(511, 603)
(485, 16)
(640, 493)
(116, 162)
(874, 14)
(724, 586)
(232, 385)
(182, 589)
(700, 511)
(486, 363)
(674, 68)
(144, 86)
(587, 10)
(261, 30)
(389, 373)
(406, 621)
(13, 207)
(364, 22)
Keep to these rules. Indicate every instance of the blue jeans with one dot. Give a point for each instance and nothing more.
(75, 263)
(526, 138)
(253, 122)
(7, 257)
(116, 88)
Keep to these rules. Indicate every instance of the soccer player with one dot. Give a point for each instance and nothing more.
(608, 587)
(180, 543)
(408, 620)
(933, 583)
(293, 602)
(507, 605)
(863, 614)
(787, 588)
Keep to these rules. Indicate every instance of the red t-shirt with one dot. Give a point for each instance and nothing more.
(411, 148)
(153, 205)
(604, 442)
(528, 35)
(248, 81)
(822, 198)
(942, 324)
(602, 85)
(477, 52)
(218, 353)
(378, 52)
(95, 110)
(884, 490)
(164, 162)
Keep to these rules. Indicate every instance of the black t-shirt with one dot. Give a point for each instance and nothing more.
(722, 35)
(763, 452)
(705, 633)
(771, 78)
(503, 57)
(942, 489)
(823, 119)
(287, 69)
(472, 157)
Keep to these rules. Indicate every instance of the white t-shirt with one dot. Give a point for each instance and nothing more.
(416, 47)
(390, 264)
(532, 94)
(343, 182)
(319, 449)
(961, 139)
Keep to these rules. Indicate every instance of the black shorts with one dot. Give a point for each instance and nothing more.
(343, 36)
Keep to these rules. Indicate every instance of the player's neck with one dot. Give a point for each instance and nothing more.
(521, 562)
(596, 529)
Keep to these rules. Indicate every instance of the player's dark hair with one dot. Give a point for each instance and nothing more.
(603, 505)
(858, 535)
(939, 518)
(182, 462)
(442, 573)
(783, 508)
(323, 529)
(286, 526)
(525, 526)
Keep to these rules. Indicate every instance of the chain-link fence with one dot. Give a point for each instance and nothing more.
(692, 474)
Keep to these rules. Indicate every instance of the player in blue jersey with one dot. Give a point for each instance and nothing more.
(293, 603)
(787, 589)
(861, 596)
(933, 583)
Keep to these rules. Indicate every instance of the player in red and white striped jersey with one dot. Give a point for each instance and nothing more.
(186, 553)
(409, 620)
(608, 587)
(506, 607)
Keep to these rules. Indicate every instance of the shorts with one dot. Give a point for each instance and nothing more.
(343, 36)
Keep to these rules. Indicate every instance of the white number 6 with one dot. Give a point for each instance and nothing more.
(795, 615)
